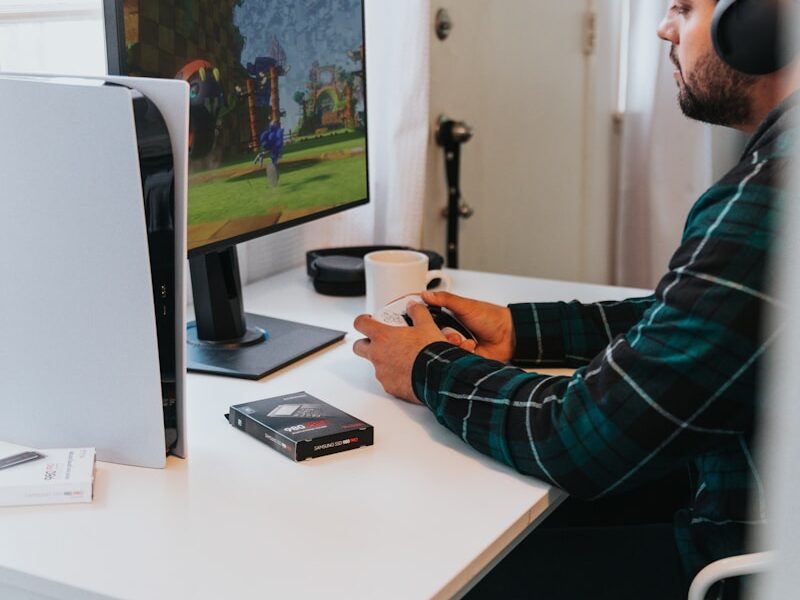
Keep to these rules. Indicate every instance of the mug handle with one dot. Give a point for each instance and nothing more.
(445, 281)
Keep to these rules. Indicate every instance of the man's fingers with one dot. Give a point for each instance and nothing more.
(420, 315)
(368, 326)
(469, 345)
(437, 298)
(457, 304)
(361, 348)
(454, 338)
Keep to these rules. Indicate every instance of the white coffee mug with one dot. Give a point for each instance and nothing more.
(392, 274)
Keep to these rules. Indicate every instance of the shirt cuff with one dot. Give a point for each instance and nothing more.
(539, 333)
(429, 369)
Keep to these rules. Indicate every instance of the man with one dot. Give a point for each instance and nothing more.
(664, 383)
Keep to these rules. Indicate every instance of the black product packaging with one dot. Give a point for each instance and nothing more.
(301, 426)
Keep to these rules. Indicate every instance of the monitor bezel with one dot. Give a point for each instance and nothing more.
(114, 17)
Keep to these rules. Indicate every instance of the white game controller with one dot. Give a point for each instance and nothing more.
(394, 314)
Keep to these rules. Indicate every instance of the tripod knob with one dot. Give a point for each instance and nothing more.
(450, 132)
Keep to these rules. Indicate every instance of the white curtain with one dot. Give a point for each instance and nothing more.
(397, 51)
(665, 162)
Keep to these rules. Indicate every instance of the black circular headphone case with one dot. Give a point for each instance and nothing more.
(340, 271)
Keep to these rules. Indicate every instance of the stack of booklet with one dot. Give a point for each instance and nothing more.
(58, 477)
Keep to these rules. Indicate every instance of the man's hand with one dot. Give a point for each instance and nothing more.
(491, 324)
(393, 350)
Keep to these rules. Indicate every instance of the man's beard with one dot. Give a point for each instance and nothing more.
(714, 93)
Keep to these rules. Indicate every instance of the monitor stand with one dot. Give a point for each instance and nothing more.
(224, 340)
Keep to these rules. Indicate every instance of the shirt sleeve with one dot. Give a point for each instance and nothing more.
(676, 383)
(571, 333)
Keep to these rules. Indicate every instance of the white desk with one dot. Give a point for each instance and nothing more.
(417, 515)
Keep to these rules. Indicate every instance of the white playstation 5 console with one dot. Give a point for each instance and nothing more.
(93, 176)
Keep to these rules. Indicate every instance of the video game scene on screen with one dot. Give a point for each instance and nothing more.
(276, 104)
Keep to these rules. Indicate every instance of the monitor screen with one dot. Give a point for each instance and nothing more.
(277, 137)
(277, 106)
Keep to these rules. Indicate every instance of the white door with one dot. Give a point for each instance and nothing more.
(537, 80)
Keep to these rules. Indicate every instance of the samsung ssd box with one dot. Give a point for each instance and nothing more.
(301, 426)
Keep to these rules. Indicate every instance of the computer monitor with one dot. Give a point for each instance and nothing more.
(278, 137)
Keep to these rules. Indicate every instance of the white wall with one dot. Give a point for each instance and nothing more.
(50, 36)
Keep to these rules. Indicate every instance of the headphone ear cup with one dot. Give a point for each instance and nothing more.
(747, 35)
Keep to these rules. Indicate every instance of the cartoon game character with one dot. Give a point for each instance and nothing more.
(206, 99)
(271, 141)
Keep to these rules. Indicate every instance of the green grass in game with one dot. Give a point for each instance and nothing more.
(315, 174)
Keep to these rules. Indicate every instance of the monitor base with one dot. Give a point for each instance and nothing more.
(286, 342)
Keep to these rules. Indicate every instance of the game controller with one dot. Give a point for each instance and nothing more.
(394, 314)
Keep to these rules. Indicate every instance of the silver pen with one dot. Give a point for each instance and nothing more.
(18, 459)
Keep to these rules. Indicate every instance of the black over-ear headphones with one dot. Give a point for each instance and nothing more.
(748, 35)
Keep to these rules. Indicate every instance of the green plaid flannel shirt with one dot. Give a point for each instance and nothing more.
(664, 382)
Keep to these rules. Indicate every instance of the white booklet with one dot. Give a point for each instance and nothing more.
(63, 476)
